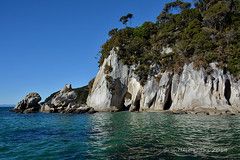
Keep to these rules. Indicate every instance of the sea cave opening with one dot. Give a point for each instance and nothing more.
(168, 101)
(137, 105)
(126, 108)
(227, 91)
(126, 101)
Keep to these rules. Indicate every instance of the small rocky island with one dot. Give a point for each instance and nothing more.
(185, 62)
(66, 100)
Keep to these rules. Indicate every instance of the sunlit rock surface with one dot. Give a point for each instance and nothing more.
(65, 101)
(190, 91)
(29, 104)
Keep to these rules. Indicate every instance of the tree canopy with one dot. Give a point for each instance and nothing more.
(208, 32)
(125, 19)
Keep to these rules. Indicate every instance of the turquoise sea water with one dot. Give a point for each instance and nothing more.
(118, 136)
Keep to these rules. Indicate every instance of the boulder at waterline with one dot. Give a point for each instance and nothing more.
(29, 104)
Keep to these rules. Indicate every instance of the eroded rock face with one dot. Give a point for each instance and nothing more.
(65, 101)
(191, 91)
(200, 91)
(133, 96)
(61, 100)
(29, 104)
(109, 87)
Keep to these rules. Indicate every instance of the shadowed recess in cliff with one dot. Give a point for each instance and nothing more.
(127, 97)
(137, 104)
(212, 83)
(152, 101)
(227, 91)
(118, 92)
(217, 89)
(126, 108)
(168, 101)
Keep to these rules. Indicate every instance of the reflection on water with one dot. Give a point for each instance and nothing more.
(118, 136)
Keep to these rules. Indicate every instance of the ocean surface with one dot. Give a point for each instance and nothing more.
(121, 135)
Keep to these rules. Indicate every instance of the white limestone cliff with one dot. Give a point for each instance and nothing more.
(190, 91)
(109, 89)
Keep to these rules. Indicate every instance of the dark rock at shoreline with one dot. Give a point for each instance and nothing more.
(79, 109)
(30, 104)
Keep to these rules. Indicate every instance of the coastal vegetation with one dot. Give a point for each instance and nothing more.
(203, 32)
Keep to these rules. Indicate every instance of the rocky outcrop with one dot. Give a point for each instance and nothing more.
(110, 86)
(65, 101)
(191, 91)
(79, 109)
(133, 95)
(60, 100)
(29, 104)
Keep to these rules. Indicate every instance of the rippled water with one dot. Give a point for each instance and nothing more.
(118, 136)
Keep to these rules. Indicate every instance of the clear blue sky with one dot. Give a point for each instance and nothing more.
(45, 44)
